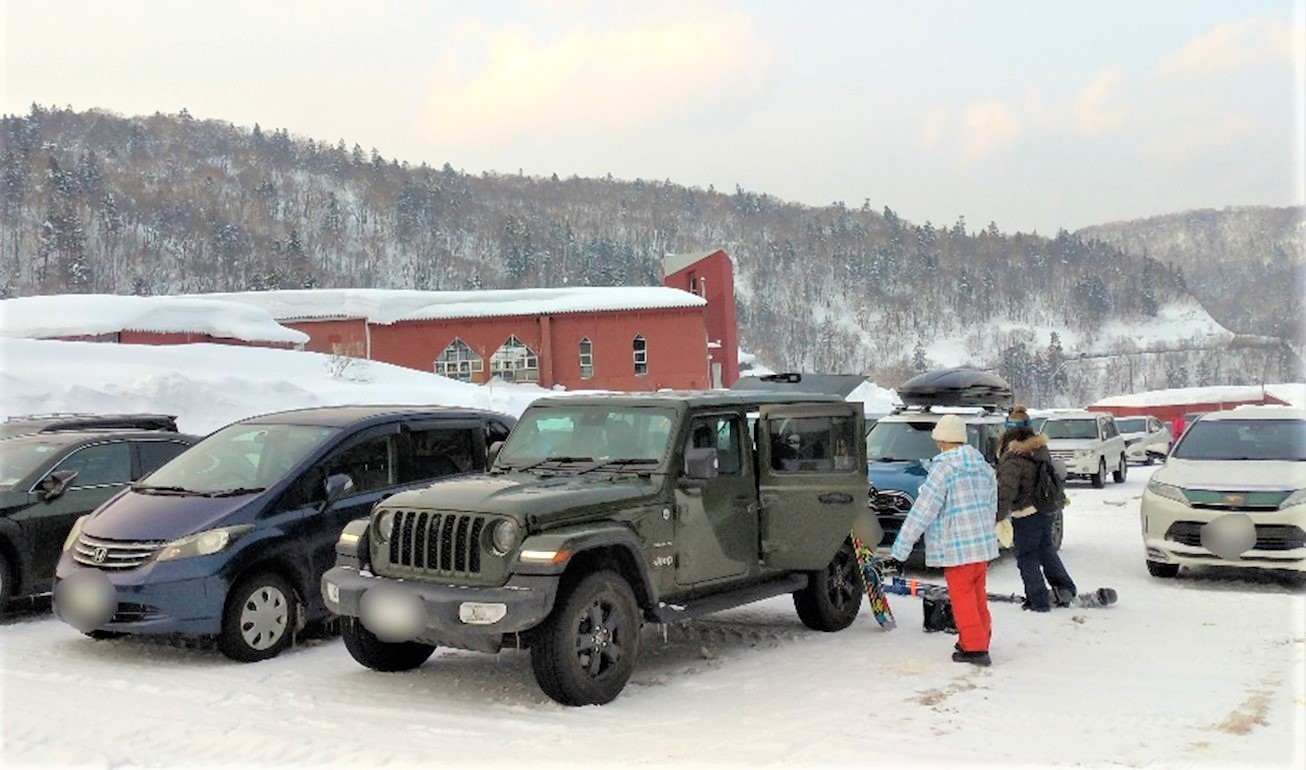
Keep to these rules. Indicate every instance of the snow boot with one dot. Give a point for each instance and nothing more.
(1063, 597)
(978, 658)
(1102, 597)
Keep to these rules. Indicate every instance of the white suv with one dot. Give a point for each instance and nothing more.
(1233, 493)
(1088, 443)
(1146, 438)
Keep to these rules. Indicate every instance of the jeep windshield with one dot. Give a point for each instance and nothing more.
(1070, 429)
(1283, 440)
(19, 457)
(890, 441)
(595, 436)
(239, 459)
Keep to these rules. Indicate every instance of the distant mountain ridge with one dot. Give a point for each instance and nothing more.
(92, 201)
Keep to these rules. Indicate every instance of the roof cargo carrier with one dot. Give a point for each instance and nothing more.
(957, 387)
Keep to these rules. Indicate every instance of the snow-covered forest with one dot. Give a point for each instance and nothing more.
(94, 202)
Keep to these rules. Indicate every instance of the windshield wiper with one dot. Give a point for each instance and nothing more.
(618, 461)
(234, 492)
(153, 490)
(543, 461)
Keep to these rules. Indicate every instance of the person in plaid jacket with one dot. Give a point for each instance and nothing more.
(955, 510)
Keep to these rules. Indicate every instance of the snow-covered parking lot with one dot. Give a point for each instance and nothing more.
(1206, 669)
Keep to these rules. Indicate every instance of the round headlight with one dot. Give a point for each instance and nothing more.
(504, 536)
(385, 525)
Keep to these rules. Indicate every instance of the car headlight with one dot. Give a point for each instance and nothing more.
(385, 526)
(75, 532)
(504, 536)
(1296, 498)
(1082, 453)
(1168, 491)
(202, 543)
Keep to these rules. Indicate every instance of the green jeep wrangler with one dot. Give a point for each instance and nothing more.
(601, 513)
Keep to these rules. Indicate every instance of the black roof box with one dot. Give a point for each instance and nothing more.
(959, 386)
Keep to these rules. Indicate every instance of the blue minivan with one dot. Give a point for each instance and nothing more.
(231, 538)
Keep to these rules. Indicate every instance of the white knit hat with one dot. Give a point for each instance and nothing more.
(950, 430)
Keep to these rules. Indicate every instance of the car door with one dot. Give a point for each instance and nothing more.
(103, 468)
(716, 519)
(809, 495)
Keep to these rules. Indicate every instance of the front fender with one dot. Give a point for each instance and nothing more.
(16, 543)
(568, 544)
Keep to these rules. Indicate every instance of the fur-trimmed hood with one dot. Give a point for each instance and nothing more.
(1029, 446)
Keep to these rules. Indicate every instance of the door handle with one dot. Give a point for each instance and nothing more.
(835, 498)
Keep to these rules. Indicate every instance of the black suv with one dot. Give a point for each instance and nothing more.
(48, 423)
(231, 538)
(47, 480)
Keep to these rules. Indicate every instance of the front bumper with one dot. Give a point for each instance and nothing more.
(438, 610)
(1082, 466)
(1170, 529)
(180, 597)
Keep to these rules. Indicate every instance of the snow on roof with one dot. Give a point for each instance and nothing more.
(1225, 394)
(86, 315)
(388, 306)
(674, 263)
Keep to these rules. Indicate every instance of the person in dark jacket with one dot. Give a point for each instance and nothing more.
(1036, 557)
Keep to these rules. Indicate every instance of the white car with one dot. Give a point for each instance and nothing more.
(1146, 438)
(1232, 493)
(1088, 443)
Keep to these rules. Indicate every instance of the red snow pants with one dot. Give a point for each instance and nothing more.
(970, 605)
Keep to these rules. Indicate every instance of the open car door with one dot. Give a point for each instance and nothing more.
(812, 478)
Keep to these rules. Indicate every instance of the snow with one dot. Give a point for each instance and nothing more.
(878, 401)
(208, 386)
(387, 306)
(750, 366)
(1206, 670)
(1293, 393)
(84, 315)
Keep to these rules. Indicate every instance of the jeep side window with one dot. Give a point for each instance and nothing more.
(812, 444)
(722, 434)
(437, 452)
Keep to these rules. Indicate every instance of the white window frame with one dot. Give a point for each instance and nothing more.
(640, 347)
(459, 366)
(586, 348)
(515, 361)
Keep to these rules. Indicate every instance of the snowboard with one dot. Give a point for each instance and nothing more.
(875, 585)
(1102, 597)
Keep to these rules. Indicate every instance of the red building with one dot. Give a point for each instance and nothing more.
(711, 276)
(1165, 405)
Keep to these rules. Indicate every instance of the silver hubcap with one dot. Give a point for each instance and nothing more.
(263, 617)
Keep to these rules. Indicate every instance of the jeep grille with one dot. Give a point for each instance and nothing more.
(437, 542)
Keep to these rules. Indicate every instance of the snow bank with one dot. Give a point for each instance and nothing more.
(1293, 393)
(878, 400)
(387, 306)
(84, 315)
(208, 386)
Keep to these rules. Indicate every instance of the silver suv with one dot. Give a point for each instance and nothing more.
(1088, 443)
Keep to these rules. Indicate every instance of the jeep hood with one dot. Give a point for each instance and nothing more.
(520, 494)
(1233, 476)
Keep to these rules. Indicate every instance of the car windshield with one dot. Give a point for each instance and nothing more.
(1132, 424)
(20, 457)
(588, 433)
(1244, 440)
(239, 457)
(1070, 429)
(889, 441)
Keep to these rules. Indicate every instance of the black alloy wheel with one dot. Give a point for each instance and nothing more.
(833, 596)
(587, 648)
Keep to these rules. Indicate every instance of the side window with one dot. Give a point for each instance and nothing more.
(437, 452)
(99, 465)
(154, 454)
(495, 431)
(721, 433)
(370, 462)
(1109, 428)
(813, 444)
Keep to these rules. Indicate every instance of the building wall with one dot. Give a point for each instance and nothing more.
(347, 337)
(1167, 412)
(675, 342)
(713, 279)
(183, 338)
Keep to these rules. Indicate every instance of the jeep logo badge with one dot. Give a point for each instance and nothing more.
(100, 555)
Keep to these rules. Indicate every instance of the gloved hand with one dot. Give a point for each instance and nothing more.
(888, 566)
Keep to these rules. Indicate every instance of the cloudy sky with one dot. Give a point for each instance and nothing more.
(1035, 115)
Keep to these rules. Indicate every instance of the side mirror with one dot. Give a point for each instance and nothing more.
(492, 453)
(337, 486)
(700, 464)
(56, 484)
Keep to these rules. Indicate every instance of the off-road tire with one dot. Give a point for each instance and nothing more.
(1099, 478)
(382, 656)
(833, 596)
(568, 672)
(1162, 570)
(1058, 529)
(100, 634)
(231, 641)
(1121, 473)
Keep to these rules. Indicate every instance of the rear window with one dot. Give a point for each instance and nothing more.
(1283, 440)
(813, 444)
(1132, 425)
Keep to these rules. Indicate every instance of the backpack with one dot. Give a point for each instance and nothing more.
(1049, 493)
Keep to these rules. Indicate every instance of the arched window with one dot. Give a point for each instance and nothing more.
(586, 358)
(514, 362)
(641, 355)
(459, 362)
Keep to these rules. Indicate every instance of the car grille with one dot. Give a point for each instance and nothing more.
(1062, 454)
(1235, 501)
(891, 507)
(1269, 537)
(114, 554)
(437, 542)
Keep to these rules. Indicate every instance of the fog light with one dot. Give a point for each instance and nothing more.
(1156, 554)
(479, 614)
(333, 592)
